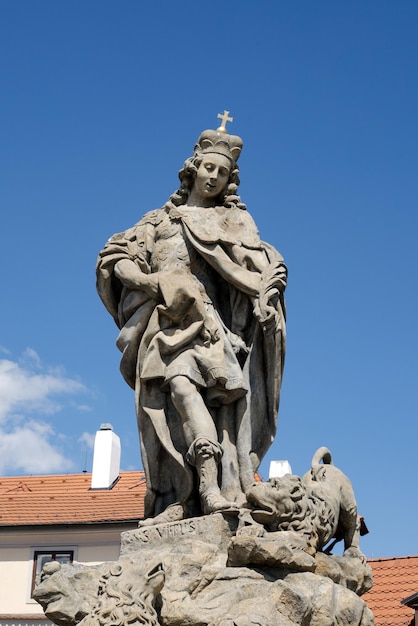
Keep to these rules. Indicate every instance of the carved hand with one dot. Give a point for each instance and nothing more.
(131, 276)
(210, 332)
(273, 282)
(267, 316)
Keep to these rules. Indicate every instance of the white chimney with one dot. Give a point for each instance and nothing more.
(279, 469)
(106, 458)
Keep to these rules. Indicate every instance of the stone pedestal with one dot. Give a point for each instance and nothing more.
(215, 578)
(204, 571)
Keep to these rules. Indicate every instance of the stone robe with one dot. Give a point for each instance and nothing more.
(219, 285)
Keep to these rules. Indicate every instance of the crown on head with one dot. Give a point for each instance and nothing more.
(211, 141)
(219, 142)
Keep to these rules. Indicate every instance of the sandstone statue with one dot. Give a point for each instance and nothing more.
(198, 299)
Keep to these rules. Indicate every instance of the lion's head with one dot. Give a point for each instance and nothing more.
(280, 503)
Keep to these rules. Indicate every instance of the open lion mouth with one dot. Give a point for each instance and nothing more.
(263, 505)
(263, 516)
(155, 580)
(262, 512)
(155, 571)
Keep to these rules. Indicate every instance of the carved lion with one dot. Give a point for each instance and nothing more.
(320, 505)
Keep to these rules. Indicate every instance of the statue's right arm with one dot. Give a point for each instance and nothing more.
(132, 277)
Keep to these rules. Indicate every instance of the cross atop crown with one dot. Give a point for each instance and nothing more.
(224, 119)
(219, 141)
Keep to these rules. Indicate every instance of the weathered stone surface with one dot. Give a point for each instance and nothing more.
(353, 572)
(284, 550)
(67, 592)
(77, 594)
(215, 529)
(126, 594)
(295, 599)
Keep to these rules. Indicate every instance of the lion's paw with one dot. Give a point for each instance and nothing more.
(354, 553)
(252, 530)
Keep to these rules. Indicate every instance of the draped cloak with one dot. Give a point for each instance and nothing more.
(210, 322)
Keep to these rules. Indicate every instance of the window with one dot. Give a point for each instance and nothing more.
(40, 557)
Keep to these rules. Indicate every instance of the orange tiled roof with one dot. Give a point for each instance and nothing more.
(68, 499)
(394, 579)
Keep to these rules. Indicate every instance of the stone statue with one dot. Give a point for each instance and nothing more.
(198, 299)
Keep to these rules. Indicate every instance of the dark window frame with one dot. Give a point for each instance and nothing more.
(54, 553)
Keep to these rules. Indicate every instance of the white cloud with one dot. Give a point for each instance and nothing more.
(29, 393)
(22, 389)
(88, 439)
(29, 449)
(85, 408)
(31, 357)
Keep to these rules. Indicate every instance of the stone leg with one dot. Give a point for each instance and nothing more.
(205, 456)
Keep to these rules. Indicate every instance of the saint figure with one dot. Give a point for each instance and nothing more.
(198, 299)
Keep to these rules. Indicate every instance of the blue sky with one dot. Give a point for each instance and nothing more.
(102, 101)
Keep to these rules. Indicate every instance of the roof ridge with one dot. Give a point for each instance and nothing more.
(41, 476)
(392, 558)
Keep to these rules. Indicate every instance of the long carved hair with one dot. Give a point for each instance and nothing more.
(120, 602)
(187, 175)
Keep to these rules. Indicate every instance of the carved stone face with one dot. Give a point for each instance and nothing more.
(276, 499)
(60, 601)
(212, 176)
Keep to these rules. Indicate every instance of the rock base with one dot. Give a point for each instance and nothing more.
(204, 571)
(215, 577)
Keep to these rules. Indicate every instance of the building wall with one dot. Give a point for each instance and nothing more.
(25, 622)
(13, 574)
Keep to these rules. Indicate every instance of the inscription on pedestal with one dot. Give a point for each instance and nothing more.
(211, 529)
(166, 531)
